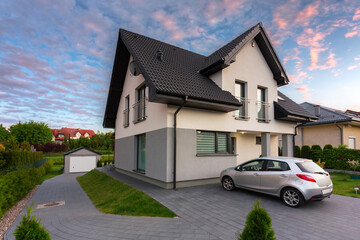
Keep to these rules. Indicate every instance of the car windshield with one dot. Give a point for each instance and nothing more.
(309, 166)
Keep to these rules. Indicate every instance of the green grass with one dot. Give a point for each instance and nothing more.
(112, 196)
(54, 155)
(53, 172)
(344, 185)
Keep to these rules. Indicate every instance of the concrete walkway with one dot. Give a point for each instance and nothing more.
(205, 212)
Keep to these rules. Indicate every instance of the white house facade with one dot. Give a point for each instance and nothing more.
(226, 106)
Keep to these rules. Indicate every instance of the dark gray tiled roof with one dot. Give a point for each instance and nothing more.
(178, 73)
(292, 107)
(229, 48)
(329, 115)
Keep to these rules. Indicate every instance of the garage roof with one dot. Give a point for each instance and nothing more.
(80, 148)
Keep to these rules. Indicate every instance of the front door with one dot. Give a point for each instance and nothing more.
(249, 174)
(141, 152)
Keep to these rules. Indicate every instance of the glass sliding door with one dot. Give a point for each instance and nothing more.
(141, 152)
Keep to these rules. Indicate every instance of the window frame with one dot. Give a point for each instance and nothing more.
(216, 152)
(127, 111)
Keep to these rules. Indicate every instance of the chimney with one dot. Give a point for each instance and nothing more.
(317, 110)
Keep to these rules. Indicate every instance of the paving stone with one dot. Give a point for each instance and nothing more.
(205, 212)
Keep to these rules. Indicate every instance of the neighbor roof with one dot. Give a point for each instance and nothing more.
(287, 109)
(180, 73)
(330, 115)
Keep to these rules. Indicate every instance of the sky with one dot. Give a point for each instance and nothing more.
(56, 56)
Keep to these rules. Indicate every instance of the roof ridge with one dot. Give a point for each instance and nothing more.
(333, 110)
(163, 42)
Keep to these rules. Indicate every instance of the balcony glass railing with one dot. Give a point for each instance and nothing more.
(242, 113)
(140, 110)
(263, 111)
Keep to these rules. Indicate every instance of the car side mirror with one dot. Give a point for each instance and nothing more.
(238, 168)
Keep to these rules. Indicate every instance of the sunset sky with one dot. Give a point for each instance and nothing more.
(56, 57)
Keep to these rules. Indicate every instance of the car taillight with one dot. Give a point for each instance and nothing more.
(306, 177)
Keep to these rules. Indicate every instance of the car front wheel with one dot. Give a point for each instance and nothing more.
(292, 197)
(228, 184)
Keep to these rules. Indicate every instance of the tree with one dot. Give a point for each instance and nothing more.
(4, 134)
(31, 132)
(11, 143)
(257, 225)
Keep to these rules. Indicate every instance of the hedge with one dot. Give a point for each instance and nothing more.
(15, 185)
(20, 157)
(341, 157)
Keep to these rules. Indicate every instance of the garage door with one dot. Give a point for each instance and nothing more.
(82, 164)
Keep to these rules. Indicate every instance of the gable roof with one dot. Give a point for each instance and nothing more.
(180, 73)
(330, 115)
(71, 132)
(287, 109)
(224, 56)
(77, 149)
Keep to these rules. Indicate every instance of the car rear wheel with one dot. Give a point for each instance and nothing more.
(292, 197)
(228, 184)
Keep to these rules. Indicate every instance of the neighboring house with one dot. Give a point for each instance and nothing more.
(333, 127)
(224, 108)
(71, 133)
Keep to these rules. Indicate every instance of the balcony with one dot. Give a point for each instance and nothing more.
(263, 111)
(126, 117)
(242, 113)
(139, 110)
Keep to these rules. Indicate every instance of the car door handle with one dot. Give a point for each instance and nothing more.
(256, 174)
(283, 175)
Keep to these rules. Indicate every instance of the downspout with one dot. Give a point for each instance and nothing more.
(341, 133)
(175, 114)
(295, 136)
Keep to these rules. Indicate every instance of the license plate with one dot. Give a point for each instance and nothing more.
(326, 191)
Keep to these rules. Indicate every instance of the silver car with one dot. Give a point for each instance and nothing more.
(295, 180)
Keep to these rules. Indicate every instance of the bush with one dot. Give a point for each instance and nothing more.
(19, 157)
(316, 152)
(305, 152)
(257, 225)
(279, 151)
(15, 185)
(30, 228)
(328, 147)
(297, 151)
(51, 147)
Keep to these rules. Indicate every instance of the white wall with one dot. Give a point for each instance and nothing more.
(250, 67)
(156, 112)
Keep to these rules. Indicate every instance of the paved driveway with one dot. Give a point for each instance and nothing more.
(205, 212)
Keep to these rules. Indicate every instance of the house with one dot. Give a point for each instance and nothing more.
(180, 118)
(333, 127)
(71, 133)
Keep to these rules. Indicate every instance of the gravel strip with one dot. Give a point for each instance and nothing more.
(9, 217)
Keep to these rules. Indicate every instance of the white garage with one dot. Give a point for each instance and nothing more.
(80, 160)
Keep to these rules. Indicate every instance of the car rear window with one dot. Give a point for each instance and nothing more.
(309, 166)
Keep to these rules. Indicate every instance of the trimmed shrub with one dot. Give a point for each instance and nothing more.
(297, 152)
(30, 228)
(328, 147)
(316, 152)
(305, 152)
(257, 225)
(15, 185)
(279, 151)
(20, 157)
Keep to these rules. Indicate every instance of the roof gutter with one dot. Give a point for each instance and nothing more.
(175, 115)
(295, 136)
(341, 133)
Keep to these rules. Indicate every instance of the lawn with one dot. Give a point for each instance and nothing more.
(112, 196)
(53, 172)
(344, 185)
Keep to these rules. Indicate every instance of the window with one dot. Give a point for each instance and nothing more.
(258, 140)
(126, 111)
(352, 142)
(240, 94)
(141, 152)
(262, 105)
(139, 106)
(256, 165)
(212, 142)
(277, 166)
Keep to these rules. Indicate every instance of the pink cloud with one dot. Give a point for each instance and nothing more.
(305, 91)
(305, 16)
(216, 11)
(355, 31)
(356, 16)
(169, 24)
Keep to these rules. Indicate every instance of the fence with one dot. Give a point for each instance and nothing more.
(34, 164)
